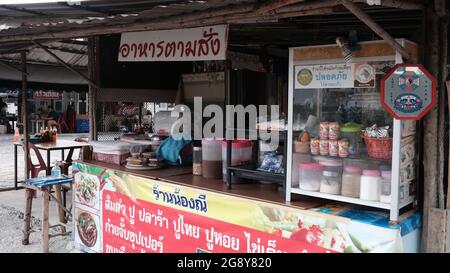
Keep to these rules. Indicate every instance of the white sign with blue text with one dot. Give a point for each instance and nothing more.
(334, 76)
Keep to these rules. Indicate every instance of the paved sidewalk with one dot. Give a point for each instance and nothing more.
(12, 204)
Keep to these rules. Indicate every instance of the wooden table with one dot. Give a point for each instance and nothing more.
(60, 145)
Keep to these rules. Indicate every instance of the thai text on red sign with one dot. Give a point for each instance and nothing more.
(191, 44)
(46, 95)
(127, 110)
(142, 226)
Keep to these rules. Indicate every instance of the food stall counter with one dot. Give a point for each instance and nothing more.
(145, 212)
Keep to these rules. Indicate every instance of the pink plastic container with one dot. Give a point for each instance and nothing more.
(241, 153)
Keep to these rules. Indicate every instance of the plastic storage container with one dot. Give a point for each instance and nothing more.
(351, 132)
(385, 184)
(113, 152)
(332, 165)
(351, 180)
(297, 159)
(370, 185)
(212, 158)
(309, 176)
(330, 182)
(241, 153)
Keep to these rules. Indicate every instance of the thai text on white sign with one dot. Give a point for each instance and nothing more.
(335, 76)
(190, 44)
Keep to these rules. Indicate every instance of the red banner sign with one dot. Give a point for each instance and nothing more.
(46, 95)
(118, 212)
(142, 226)
(127, 110)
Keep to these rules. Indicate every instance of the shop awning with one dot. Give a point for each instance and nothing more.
(50, 22)
(43, 73)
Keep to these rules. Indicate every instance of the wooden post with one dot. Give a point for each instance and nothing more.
(45, 224)
(26, 153)
(27, 216)
(140, 113)
(92, 64)
(448, 153)
(433, 209)
(60, 209)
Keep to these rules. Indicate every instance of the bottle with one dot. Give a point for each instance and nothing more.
(42, 133)
(56, 170)
(46, 135)
(16, 135)
(197, 161)
(53, 134)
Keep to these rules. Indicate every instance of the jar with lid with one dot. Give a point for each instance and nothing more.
(351, 179)
(330, 182)
(241, 153)
(197, 161)
(370, 185)
(332, 165)
(351, 132)
(309, 176)
(385, 184)
(212, 158)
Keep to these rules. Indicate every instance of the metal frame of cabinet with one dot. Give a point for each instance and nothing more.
(395, 205)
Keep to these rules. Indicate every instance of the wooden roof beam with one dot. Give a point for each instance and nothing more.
(366, 19)
(68, 66)
(270, 6)
(68, 50)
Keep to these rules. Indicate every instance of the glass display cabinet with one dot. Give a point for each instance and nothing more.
(344, 146)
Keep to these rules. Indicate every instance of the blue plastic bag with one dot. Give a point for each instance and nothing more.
(175, 151)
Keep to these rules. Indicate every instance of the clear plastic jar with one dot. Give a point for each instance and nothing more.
(351, 132)
(385, 195)
(351, 179)
(309, 176)
(330, 182)
(370, 185)
(332, 165)
(212, 158)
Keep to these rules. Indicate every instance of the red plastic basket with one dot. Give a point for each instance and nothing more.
(379, 148)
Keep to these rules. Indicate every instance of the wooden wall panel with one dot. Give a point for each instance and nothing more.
(368, 49)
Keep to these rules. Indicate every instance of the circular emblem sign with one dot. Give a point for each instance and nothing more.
(408, 91)
(304, 77)
(364, 73)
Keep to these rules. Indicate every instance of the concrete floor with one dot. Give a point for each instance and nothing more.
(16, 200)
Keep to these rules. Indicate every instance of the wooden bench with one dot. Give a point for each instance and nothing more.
(45, 185)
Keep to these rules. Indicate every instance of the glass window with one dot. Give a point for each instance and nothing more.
(330, 138)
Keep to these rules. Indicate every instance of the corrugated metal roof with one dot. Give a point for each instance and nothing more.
(73, 54)
(47, 19)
